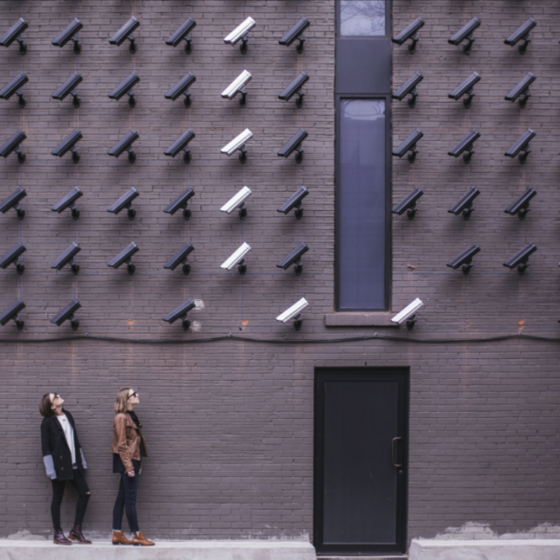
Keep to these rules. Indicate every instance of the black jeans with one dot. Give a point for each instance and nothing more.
(80, 484)
(126, 501)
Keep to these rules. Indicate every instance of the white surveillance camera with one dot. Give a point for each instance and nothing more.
(240, 32)
(237, 258)
(237, 201)
(408, 313)
(293, 312)
(238, 143)
(238, 86)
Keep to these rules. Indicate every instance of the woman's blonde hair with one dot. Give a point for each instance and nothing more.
(121, 403)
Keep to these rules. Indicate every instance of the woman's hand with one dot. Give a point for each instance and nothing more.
(131, 474)
(140, 471)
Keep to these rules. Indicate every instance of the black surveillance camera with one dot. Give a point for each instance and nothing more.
(68, 313)
(465, 145)
(181, 145)
(12, 201)
(124, 88)
(295, 33)
(409, 88)
(183, 34)
(466, 88)
(181, 87)
(66, 257)
(409, 145)
(68, 87)
(180, 257)
(522, 145)
(464, 204)
(294, 144)
(68, 34)
(125, 201)
(125, 256)
(11, 313)
(464, 260)
(295, 201)
(69, 144)
(521, 258)
(466, 32)
(124, 33)
(13, 34)
(294, 257)
(125, 145)
(181, 202)
(295, 87)
(180, 312)
(522, 88)
(12, 256)
(67, 201)
(13, 145)
(522, 33)
(408, 204)
(409, 32)
(14, 86)
(520, 206)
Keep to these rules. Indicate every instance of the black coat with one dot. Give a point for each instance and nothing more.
(53, 442)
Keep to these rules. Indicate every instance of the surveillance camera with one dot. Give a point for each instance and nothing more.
(12, 256)
(13, 34)
(464, 204)
(180, 312)
(521, 258)
(409, 87)
(14, 86)
(294, 312)
(125, 32)
(466, 32)
(67, 201)
(125, 201)
(408, 204)
(238, 143)
(66, 256)
(181, 202)
(295, 201)
(13, 145)
(12, 201)
(181, 87)
(465, 145)
(409, 145)
(69, 144)
(125, 145)
(124, 88)
(522, 88)
(466, 88)
(237, 201)
(241, 32)
(11, 313)
(64, 36)
(68, 87)
(181, 145)
(522, 145)
(182, 34)
(408, 314)
(294, 257)
(238, 86)
(521, 33)
(295, 33)
(180, 257)
(409, 32)
(295, 87)
(125, 256)
(464, 259)
(520, 206)
(238, 257)
(68, 313)
(294, 144)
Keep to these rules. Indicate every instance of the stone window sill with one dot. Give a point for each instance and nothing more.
(359, 319)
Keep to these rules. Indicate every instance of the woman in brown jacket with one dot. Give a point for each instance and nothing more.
(129, 446)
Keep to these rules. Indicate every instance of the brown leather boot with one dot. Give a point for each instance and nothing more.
(119, 538)
(76, 535)
(140, 539)
(59, 538)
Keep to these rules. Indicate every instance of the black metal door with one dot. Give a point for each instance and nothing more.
(361, 428)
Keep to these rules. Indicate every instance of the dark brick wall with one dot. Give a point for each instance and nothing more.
(230, 424)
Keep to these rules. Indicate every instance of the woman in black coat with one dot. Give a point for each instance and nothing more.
(64, 461)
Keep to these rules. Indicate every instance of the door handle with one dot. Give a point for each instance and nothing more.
(398, 466)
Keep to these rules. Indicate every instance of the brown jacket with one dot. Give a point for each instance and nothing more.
(128, 440)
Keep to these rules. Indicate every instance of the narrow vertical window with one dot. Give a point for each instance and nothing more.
(365, 18)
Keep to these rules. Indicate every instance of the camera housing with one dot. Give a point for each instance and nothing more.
(181, 202)
(521, 259)
(181, 145)
(13, 34)
(238, 86)
(12, 256)
(295, 87)
(294, 257)
(68, 87)
(68, 34)
(68, 312)
(294, 312)
(69, 144)
(409, 145)
(522, 89)
(181, 34)
(238, 257)
(409, 32)
(66, 257)
(241, 32)
(13, 145)
(180, 312)
(296, 33)
(181, 87)
(295, 201)
(125, 256)
(180, 257)
(466, 32)
(408, 204)
(294, 144)
(464, 204)
(466, 88)
(409, 88)
(12, 201)
(124, 88)
(67, 201)
(11, 313)
(124, 33)
(14, 86)
(520, 207)
(237, 201)
(125, 201)
(522, 145)
(408, 314)
(465, 145)
(238, 143)
(464, 260)
(125, 145)
(522, 33)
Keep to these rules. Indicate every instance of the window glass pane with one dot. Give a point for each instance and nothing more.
(362, 17)
(361, 205)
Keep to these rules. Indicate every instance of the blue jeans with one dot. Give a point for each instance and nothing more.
(126, 501)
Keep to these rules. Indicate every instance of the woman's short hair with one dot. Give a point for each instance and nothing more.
(121, 403)
(45, 408)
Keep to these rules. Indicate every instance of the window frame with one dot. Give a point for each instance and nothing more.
(388, 24)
